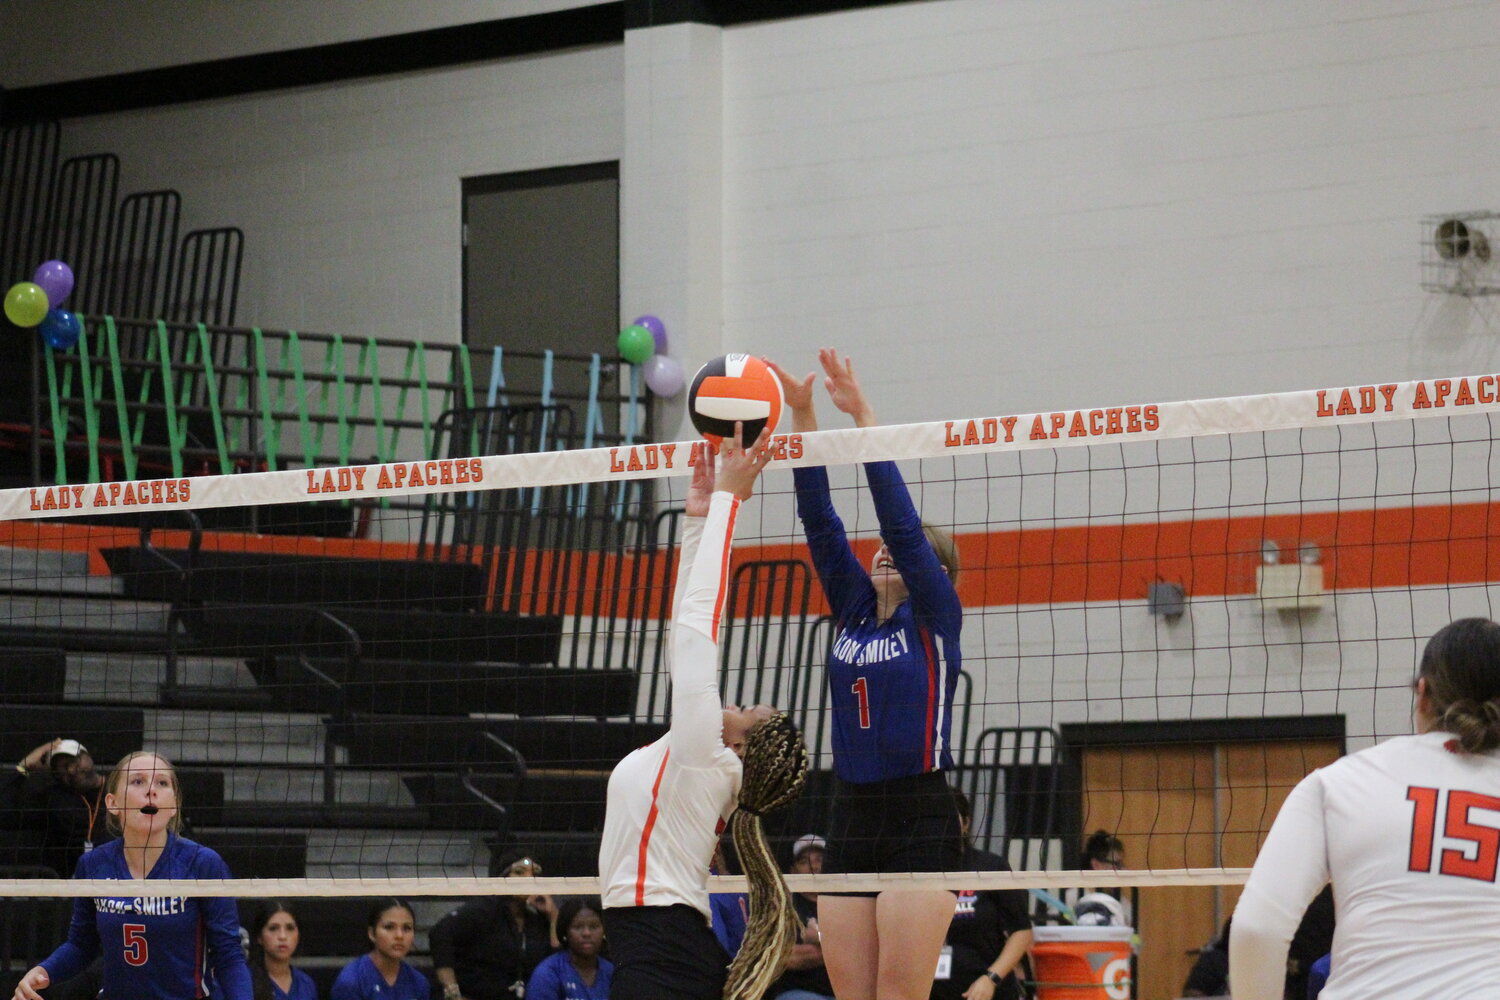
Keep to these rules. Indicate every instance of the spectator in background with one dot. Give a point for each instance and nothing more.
(806, 977)
(578, 972)
(1209, 976)
(61, 797)
(274, 936)
(1102, 852)
(1317, 976)
(728, 912)
(488, 947)
(990, 934)
(383, 974)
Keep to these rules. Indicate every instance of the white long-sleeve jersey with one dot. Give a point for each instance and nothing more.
(668, 802)
(1409, 833)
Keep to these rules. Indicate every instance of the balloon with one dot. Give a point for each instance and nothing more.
(658, 331)
(636, 344)
(61, 329)
(56, 279)
(664, 376)
(26, 304)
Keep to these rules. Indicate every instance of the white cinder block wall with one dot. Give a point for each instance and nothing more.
(998, 207)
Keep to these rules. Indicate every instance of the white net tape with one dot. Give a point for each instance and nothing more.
(1393, 401)
(269, 888)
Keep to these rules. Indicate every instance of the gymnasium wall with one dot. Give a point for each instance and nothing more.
(997, 207)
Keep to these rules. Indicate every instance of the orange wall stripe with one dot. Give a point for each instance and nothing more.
(1364, 549)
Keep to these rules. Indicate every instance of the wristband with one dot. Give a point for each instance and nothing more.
(992, 977)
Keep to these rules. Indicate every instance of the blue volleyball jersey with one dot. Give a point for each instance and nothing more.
(891, 683)
(556, 979)
(156, 947)
(303, 987)
(361, 980)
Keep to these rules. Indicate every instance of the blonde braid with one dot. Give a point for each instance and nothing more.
(775, 771)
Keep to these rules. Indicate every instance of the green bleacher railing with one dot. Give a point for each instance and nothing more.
(146, 398)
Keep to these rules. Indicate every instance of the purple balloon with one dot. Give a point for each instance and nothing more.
(664, 376)
(657, 328)
(56, 279)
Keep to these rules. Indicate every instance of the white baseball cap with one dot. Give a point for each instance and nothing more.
(70, 747)
(807, 842)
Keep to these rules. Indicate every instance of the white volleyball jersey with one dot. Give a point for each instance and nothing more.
(1409, 833)
(668, 802)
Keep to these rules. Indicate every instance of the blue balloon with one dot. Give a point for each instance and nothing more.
(61, 329)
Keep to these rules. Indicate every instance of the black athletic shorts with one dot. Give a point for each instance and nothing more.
(663, 953)
(902, 825)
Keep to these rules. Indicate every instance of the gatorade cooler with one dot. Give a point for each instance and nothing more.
(1082, 963)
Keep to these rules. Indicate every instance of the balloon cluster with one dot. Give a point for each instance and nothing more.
(37, 303)
(644, 342)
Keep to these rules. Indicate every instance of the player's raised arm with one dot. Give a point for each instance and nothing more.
(696, 730)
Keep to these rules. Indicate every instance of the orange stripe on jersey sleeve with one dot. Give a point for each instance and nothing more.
(640, 864)
(734, 511)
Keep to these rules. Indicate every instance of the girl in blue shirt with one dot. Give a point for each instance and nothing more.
(383, 974)
(274, 936)
(577, 972)
(892, 674)
(154, 947)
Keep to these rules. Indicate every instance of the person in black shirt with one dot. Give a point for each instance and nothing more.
(60, 796)
(805, 977)
(1209, 976)
(990, 934)
(488, 948)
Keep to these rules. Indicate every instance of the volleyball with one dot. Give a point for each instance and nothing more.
(734, 387)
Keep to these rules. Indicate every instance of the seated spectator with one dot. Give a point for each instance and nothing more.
(1317, 976)
(274, 936)
(1209, 976)
(1102, 852)
(383, 974)
(806, 977)
(990, 934)
(577, 972)
(729, 912)
(57, 789)
(488, 947)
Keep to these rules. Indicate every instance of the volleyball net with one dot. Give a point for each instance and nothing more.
(1172, 613)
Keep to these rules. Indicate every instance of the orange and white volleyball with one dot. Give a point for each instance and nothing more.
(734, 387)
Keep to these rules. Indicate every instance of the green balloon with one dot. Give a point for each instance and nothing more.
(636, 344)
(26, 304)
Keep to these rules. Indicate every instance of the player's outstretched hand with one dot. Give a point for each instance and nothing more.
(844, 388)
(798, 394)
(701, 488)
(738, 466)
(36, 979)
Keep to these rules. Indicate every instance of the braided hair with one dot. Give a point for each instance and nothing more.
(775, 771)
(1462, 667)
